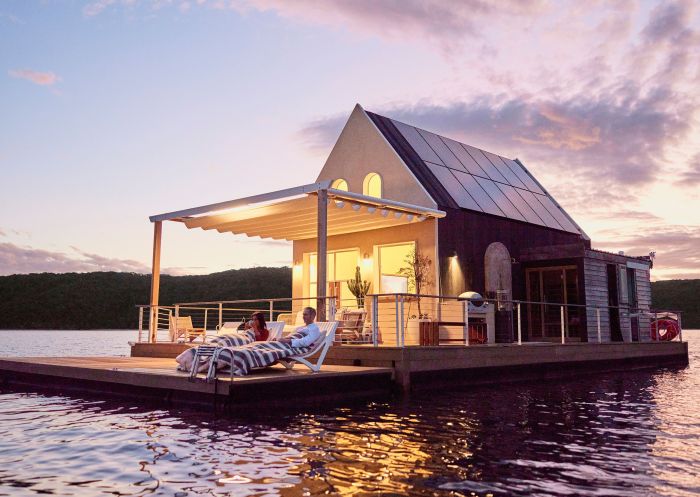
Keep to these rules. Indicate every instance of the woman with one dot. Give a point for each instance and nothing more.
(258, 326)
(254, 330)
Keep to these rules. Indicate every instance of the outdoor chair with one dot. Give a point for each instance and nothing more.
(321, 346)
(351, 327)
(182, 327)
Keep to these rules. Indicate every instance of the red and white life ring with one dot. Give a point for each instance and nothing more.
(664, 329)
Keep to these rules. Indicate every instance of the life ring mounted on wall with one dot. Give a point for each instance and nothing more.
(665, 329)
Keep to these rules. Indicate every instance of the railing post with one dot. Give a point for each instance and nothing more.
(466, 323)
(563, 332)
(206, 312)
(680, 327)
(403, 331)
(396, 309)
(465, 328)
(375, 320)
(221, 314)
(272, 310)
(597, 312)
(153, 324)
(520, 330)
(140, 323)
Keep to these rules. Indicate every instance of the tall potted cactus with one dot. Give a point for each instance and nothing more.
(359, 288)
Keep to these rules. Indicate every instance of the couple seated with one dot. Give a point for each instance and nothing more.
(243, 352)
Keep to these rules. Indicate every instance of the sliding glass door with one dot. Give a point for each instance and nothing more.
(551, 287)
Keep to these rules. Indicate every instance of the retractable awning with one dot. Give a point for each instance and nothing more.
(293, 214)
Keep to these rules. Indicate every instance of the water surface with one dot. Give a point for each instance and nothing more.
(622, 434)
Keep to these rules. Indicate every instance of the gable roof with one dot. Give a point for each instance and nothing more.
(458, 175)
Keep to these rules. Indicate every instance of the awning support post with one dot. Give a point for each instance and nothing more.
(321, 254)
(155, 280)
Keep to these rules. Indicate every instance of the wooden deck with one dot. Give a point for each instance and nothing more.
(157, 379)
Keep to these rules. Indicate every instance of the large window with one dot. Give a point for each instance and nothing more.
(340, 267)
(372, 185)
(390, 260)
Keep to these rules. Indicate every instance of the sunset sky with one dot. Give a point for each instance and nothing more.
(114, 110)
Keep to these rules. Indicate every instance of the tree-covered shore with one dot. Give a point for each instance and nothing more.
(107, 300)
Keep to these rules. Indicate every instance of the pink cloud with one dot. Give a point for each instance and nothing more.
(36, 77)
(676, 247)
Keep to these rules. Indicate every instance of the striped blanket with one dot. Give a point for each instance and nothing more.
(235, 339)
(255, 355)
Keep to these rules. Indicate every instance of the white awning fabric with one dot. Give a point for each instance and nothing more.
(292, 214)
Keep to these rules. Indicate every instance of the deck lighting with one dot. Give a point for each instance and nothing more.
(422, 218)
(384, 212)
(356, 207)
(409, 217)
(339, 204)
(398, 214)
(371, 210)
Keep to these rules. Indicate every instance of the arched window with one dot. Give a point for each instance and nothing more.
(340, 184)
(372, 185)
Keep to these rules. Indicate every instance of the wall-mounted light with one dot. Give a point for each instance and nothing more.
(453, 254)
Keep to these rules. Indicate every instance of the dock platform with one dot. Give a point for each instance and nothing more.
(157, 379)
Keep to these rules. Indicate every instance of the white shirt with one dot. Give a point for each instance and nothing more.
(312, 333)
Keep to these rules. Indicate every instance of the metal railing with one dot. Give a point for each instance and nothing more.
(403, 319)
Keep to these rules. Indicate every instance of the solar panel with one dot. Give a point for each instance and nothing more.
(478, 193)
(500, 198)
(485, 182)
(540, 209)
(454, 187)
(446, 156)
(485, 163)
(418, 143)
(467, 161)
(557, 213)
(509, 175)
(520, 204)
(530, 184)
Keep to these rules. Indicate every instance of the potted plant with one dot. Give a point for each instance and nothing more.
(359, 288)
(420, 328)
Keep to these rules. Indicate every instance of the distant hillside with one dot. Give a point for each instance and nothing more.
(682, 295)
(108, 299)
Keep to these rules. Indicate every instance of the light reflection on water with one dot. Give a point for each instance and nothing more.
(628, 434)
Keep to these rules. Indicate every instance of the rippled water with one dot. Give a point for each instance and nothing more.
(629, 434)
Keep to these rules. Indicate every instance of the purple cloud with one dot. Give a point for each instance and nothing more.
(21, 260)
(677, 248)
(691, 176)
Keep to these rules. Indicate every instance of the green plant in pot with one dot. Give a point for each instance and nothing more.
(417, 270)
(359, 288)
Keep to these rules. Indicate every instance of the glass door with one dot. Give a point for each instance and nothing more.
(550, 288)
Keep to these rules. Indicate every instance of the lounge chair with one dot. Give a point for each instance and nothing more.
(182, 326)
(211, 351)
(325, 340)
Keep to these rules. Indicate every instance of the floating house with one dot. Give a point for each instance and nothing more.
(483, 222)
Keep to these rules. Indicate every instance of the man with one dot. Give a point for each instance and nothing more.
(310, 331)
